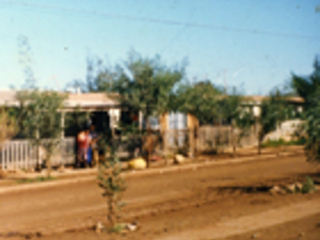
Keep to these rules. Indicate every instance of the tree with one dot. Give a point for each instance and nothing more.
(113, 186)
(40, 110)
(312, 123)
(273, 111)
(8, 126)
(231, 111)
(146, 86)
(306, 86)
(242, 121)
(40, 118)
(200, 99)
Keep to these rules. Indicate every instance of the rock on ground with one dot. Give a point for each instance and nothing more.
(138, 163)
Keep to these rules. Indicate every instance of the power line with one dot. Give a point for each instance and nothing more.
(165, 21)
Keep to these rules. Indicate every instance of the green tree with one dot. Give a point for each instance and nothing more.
(100, 78)
(273, 111)
(200, 99)
(8, 127)
(243, 121)
(312, 129)
(40, 118)
(306, 86)
(146, 85)
(231, 112)
(39, 114)
(113, 186)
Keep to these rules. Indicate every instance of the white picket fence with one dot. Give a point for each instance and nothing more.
(21, 154)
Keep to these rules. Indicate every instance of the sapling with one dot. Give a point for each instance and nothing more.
(113, 185)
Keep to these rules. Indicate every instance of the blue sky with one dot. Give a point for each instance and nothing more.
(255, 44)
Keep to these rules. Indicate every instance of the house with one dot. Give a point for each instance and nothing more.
(103, 110)
(254, 103)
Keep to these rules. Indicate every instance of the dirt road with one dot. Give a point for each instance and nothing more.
(75, 206)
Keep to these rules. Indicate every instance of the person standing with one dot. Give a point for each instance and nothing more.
(92, 149)
(83, 141)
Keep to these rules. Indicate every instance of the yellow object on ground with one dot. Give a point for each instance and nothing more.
(178, 159)
(137, 163)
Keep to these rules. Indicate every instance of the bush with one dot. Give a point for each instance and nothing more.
(113, 186)
(281, 142)
(308, 186)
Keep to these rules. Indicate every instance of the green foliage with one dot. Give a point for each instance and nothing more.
(308, 186)
(312, 128)
(308, 85)
(281, 142)
(75, 122)
(309, 89)
(8, 127)
(113, 186)
(200, 99)
(37, 179)
(243, 121)
(40, 119)
(39, 113)
(146, 85)
(274, 111)
(230, 107)
(118, 228)
(132, 139)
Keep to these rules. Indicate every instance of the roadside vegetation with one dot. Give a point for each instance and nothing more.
(281, 142)
(35, 180)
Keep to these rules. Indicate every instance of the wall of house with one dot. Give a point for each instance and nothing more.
(286, 131)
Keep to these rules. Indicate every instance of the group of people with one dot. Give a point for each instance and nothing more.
(87, 147)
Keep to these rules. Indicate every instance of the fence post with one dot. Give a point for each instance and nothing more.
(2, 156)
(38, 166)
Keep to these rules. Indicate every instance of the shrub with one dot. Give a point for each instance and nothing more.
(308, 186)
(113, 186)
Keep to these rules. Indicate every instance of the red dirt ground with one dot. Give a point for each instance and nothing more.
(166, 204)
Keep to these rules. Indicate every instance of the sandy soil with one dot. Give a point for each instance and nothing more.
(164, 204)
(306, 228)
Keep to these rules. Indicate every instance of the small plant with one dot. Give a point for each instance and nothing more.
(281, 142)
(118, 228)
(308, 186)
(37, 179)
(113, 186)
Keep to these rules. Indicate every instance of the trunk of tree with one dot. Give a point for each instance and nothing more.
(191, 133)
(164, 147)
(259, 147)
(234, 142)
(38, 165)
(219, 135)
(260, 138)
(48, 166)
(149, 147)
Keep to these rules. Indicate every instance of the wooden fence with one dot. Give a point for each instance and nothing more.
(21, 154)
(207, 138)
